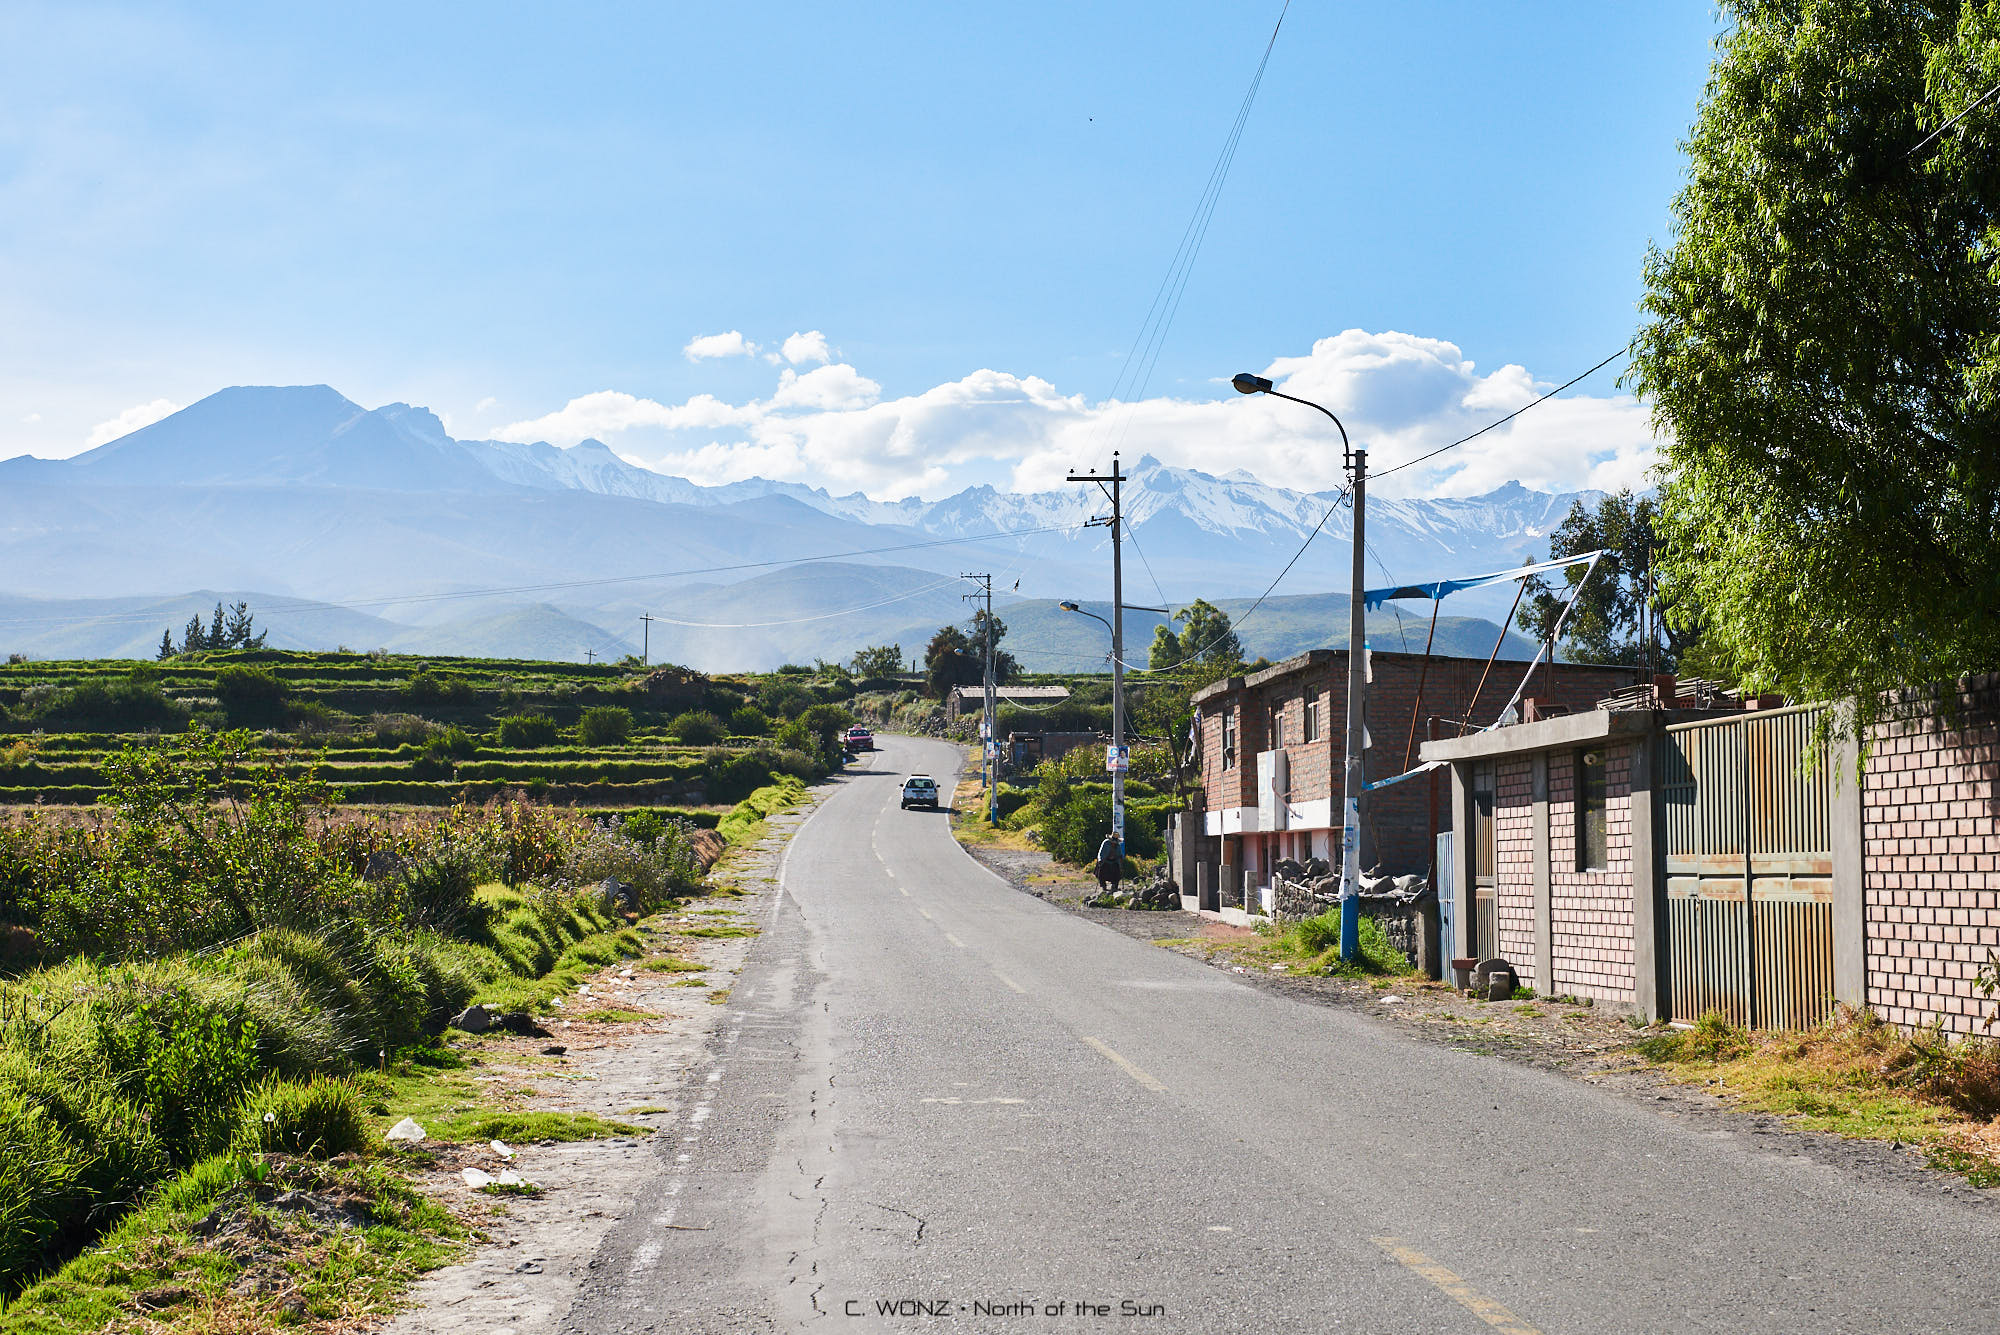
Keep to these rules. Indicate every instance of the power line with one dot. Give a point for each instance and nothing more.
(1977, 103)
(1411, 463)
(1144, 355)
(817, 616)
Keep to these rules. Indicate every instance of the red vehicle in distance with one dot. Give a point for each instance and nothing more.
(859, 739)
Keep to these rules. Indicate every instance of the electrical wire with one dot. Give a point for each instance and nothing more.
(1136, 373)
(1411, 463)
(818, 616)
(1977, 103)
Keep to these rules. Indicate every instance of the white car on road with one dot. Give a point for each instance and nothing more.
(920, 790)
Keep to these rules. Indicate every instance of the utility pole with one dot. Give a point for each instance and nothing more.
(646, 640)
(1114, 522)
(1357, 691)
(989, 745)
(589, 656)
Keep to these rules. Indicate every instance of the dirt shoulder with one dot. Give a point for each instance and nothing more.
(634, 1041)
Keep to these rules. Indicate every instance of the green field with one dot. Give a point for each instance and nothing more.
(412, 731)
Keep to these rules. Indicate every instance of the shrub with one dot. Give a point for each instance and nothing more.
(605, 725)
(399, 729)
(784, 699)
(183, 1063)
(527, 730)
(749, 721)
(697, 728)
(321, 1117)
(127, 704)
(249, 693)
(431, 688)
(40, 1172)
(454, 742)
(664, 866)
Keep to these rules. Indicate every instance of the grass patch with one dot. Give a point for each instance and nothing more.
(525, 1128)
(748, 820)
(615, 1015)
(730, 929)
(1855, 1077)
(719, 996)
(1315, 944)
(696, 981)
(210, 1251)
(648, 1110)
(673, 965)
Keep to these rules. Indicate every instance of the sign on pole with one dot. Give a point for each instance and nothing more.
(1117, 759)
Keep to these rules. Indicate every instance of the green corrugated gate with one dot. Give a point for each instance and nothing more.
(1749, 870)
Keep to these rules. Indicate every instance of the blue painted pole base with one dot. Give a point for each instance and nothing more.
(1350, 928)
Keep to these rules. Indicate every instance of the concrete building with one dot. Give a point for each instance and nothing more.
(1271, 745)
(965, 700)
(1673, 862)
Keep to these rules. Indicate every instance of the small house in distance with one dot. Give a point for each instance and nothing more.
(969, 700)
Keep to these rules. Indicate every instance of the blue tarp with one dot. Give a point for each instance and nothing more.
(1374, 598)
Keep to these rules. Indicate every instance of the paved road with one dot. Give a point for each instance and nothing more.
(932, 1089)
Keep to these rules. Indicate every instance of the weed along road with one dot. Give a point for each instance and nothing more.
(937, 1103)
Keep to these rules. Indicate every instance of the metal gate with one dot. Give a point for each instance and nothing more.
(1749, 870)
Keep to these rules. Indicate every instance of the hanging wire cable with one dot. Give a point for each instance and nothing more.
(1136, 373)
(818, 616)
(1464, 440)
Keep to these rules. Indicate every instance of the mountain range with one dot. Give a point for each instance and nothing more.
(376, 527)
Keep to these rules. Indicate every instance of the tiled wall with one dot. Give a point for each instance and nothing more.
(1591, 911)
(1931, 860)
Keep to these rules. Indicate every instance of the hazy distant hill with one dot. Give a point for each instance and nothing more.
(308, 497)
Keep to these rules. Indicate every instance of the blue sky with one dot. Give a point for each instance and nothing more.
(498, 210)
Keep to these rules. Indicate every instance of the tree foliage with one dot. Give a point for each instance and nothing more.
(880, 660)
(1205, 636)
(1823, 350)
(957, 657)
(1608, 622)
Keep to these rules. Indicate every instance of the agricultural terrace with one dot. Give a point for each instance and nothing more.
(224, 983)
(428, 731)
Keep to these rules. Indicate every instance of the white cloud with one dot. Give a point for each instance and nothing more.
(32, 418)
(833, 388)
(806, 347)
(1398, 395)
(144, 414)
(731, 344)
(484, 404)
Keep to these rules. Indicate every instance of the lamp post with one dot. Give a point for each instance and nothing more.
(1357, 682)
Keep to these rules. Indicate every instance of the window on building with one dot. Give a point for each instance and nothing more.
(1278, 726)
(1229, 738)
(1312, 718)
(1591, 845)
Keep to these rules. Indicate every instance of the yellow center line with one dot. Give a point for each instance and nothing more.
(1126, 1066)
(1010, 982)
(1472, 1300)
(954, 940)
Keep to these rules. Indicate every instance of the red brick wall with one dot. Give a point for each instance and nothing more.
(1931, 860)
(1397, 819)
(1514, 866)
(1591, 911)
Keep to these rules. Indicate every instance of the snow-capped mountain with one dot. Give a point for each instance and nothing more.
(299, 491)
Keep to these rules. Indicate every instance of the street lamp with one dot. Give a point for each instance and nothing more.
(1357, 682)
(1117, 705)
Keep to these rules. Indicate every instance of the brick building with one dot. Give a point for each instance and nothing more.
(1674, 861)
(1271, 746)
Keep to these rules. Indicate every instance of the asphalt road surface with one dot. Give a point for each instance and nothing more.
(939, 1104)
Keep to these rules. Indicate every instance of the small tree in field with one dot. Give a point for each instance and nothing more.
(882, 660)
(606, 725)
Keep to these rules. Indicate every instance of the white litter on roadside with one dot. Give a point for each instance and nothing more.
(474, 1178)
(406, 1130)
(500, 1148)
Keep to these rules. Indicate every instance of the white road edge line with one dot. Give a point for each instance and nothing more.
(1124, 1065)
(1010, 982)
(954, 940)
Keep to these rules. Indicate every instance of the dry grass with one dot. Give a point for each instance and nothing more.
(1855, 1076)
